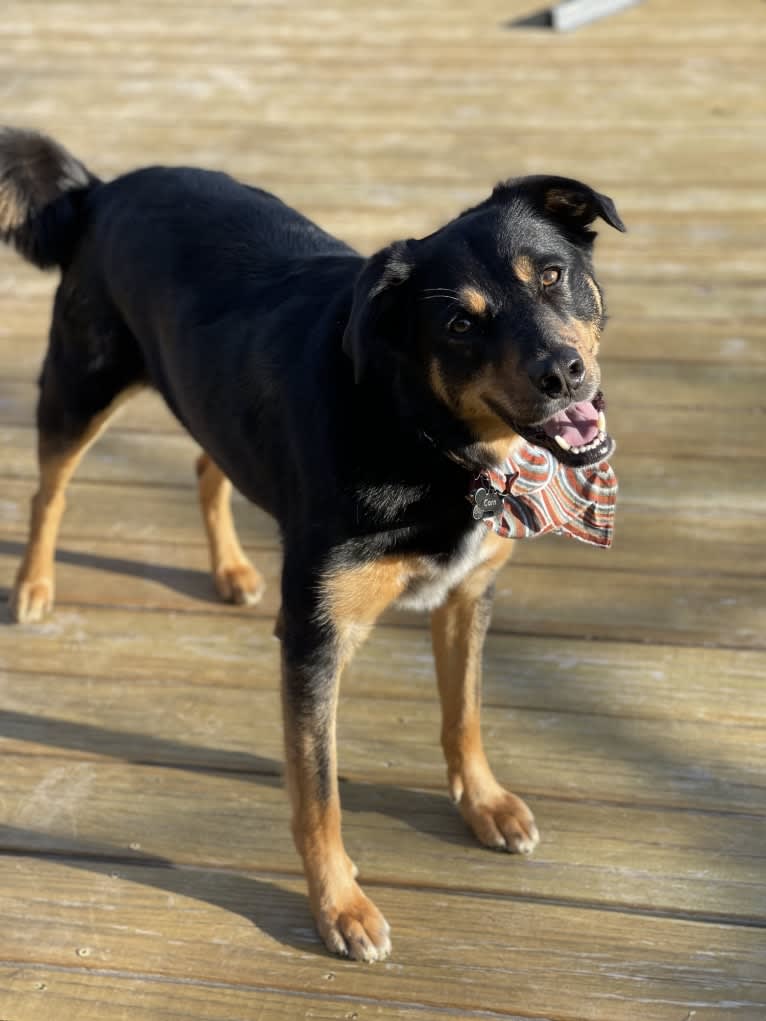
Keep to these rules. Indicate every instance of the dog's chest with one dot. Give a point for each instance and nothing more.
(435, 577)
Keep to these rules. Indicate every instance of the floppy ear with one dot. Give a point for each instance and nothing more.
(573, 204)
(381, 315)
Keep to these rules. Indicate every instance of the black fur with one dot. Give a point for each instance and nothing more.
(41, 190)
(330, 388)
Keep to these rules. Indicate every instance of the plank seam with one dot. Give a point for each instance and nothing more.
(412, 699)
(406, 625)
(171, 980)
(385, 882)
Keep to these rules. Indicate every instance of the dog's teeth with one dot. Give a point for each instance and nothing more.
(601, 422)
(585, 447)
(563, 443)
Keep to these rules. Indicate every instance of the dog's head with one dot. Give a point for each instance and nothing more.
(499, 314)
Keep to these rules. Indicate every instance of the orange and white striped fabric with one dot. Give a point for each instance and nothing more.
(533, 493)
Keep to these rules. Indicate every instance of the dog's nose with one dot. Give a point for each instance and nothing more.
(558, 374)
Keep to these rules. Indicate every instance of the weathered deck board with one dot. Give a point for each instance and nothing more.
(254, 928)
(579, 755)
(705, 609)
(696, 865)
(32, 992)
(521, 671)
(145, 868)
(645, 541)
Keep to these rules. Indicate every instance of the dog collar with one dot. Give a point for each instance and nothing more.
(532, 493)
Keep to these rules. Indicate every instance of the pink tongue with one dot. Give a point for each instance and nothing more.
(577, 425)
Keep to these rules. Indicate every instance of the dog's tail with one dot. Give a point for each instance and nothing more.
(42, 188)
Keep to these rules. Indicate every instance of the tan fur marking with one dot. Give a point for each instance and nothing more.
(316, 824)
(524, 269)
(488, 428)
(458, 636)
(235, 577)
(497, 817)
(596, 294)
(348, 922)
(33, 591)
(354, 598)
(556, 201)
(473, 300)
(13, 210)
(585, 337)
(437, 383)
(486, 425)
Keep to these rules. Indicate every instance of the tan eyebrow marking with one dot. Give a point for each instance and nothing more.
(523, 268)
(473, 300)
(594, 287)
(561, 201)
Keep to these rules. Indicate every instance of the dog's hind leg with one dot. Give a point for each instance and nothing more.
(65, 432)
(235, 577)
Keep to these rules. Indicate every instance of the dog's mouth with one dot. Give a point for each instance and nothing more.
(577, 435)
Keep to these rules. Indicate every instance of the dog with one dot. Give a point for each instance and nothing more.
(352, 399)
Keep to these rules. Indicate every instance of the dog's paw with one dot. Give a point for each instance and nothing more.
(500, 820)
(31, 600)
(239, 583)
(352, 926)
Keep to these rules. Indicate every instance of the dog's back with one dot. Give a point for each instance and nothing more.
(204, 272)
(183, 279)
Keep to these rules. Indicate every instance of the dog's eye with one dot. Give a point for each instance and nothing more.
(550, 276)
(460, 325)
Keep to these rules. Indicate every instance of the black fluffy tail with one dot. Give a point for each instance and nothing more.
(42, 188)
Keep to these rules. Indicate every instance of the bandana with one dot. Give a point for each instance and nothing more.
(533, 493)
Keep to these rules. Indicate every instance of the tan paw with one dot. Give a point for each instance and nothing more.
(31, 600)
(239, 583)
(353, 927)
(501, 820)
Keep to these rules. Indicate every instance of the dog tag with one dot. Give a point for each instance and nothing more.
(487, 503)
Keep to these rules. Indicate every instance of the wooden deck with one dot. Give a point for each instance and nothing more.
(145, 866)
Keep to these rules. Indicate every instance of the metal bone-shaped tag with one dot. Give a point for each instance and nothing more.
(487, 503)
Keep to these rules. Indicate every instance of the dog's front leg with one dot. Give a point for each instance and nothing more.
(314, 650)
(497, 817)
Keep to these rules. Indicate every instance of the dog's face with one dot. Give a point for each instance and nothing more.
(500, 314)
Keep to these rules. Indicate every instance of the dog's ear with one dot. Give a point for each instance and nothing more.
(571, 203)
(381, 310)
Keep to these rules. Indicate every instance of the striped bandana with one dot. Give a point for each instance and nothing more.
(533, 493)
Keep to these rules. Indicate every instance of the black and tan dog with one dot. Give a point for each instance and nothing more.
(352, 399)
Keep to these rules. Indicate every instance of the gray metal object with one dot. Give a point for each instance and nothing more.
(571, 14)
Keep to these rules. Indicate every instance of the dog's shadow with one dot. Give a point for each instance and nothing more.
(279, 912)
(271, 906)
(408, 806)
(195, 584)
(423, 811)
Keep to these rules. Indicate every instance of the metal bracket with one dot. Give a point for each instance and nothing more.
(571, 14)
